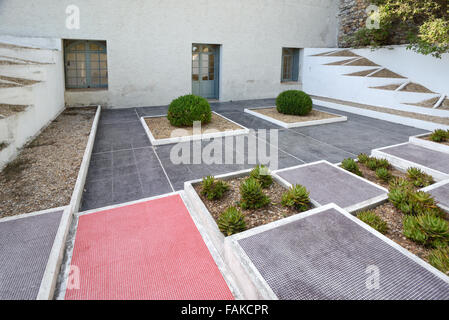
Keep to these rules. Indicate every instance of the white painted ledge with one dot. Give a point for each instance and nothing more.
(338, 118)
(158, 142)
(416, 140)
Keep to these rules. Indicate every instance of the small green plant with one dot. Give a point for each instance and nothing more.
(252, 195)
(294, 102)
(363, 158)
(296, 197)
(439, 135)
(413, 203)
(383, 174)
(383, 163)
(184, 110)
(419, 178)
(373, 220)
(213, 189)
(439, 258)
(427, 229)
(231, 221)
(262, 174)
(374, 163)
(351, 166)
(400, 183)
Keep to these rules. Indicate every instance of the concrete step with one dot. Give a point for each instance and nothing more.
(27, 54)
(22, 95)
(28, 71)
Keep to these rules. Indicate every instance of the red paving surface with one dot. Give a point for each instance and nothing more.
(149, 250)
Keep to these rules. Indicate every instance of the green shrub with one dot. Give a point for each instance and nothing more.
(383, 163)
(374, 163)
(351, 166)
(262, 174)
(184, 110)
(439, 135)
(427, 229)
(373, 220)
(294, 102)
(231, 221)
(213, 189)
(252, 195)
(296, 197)
(400, 183)
(439, 258)
(363, 158)
(419, 178)
(383, 174)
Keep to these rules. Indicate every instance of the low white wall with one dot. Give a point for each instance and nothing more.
(48, 101)
(431, 72)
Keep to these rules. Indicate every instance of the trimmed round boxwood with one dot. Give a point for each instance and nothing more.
(294, 102)
(184, 110)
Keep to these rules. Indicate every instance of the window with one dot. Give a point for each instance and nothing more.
(290, 64)
(85, 64)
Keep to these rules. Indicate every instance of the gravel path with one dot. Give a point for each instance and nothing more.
(44, 174)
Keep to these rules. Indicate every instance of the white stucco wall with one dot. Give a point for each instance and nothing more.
(149, 41)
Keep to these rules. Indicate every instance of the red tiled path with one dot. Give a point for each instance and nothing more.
(148, 250)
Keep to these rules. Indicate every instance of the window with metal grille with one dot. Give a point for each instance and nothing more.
(290, 64)
(86, 64)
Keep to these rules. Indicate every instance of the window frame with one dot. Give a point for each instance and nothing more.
(71, 49)
(292, 74)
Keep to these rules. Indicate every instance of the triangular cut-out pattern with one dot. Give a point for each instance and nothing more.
(363, 73)
(339, 63)
(390, 87)
(343, 53)
(416, 87)
(363, 63)
(385, 73)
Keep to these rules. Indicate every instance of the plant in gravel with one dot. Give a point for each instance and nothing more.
(413, 203)
(383, 174)
(383, 163)
(439, 258)
(252, 194)
(213, 189)
(363, 158)
(419, 178)
(294, 102)
(296, 197)
(400, 183)
(351, 166)
(427, 229)
(373, 220)
(374, 163)
(439, 135)
(262, 174)
(231, 221)
(184, 110)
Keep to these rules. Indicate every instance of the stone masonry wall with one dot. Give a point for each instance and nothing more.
(352, 17)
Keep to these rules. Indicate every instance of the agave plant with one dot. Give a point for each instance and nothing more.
(213, 189)
(297, 197)
(252, 195)
(231, 221)
(262, 174)
(351, 166)
(439, 258)
(383, 174)
(373, 220)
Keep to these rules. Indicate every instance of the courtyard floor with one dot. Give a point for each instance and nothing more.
(126, 167)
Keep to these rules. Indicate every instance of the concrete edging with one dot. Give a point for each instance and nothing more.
(252, 276)
(159, 142)
(416, 123)
(364, 205)
(435, 186)
(428, 144)
(48, 284)
(287, 125)
(405, 164)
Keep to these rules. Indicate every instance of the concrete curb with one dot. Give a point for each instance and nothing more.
(287, 125)
(436, 186)
(428, 144)
(159, 142)
(403, 164)
(48, 284)
(420, 124)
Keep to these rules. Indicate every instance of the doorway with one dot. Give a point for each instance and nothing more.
(205, 69)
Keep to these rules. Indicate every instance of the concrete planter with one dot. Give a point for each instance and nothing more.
(429, 144)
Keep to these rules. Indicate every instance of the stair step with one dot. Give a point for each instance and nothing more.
(27, 54)
(18, 81)
(8, 110)
(26, 71)
(17, 95)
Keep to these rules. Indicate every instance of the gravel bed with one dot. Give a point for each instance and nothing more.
(313, 115)
(44, 174)
(371, 175)
(253, 217)
(428, 139)
(161, 128)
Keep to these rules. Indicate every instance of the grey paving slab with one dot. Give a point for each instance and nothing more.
(429, 158)
(441, 194)
(326, 256)
(25, 246)
(328, 184)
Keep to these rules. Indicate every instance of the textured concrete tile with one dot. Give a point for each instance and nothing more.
(328, 184)
(441, 194)
(423, 156)
(326, 257)
(25, 246)
(248, 121)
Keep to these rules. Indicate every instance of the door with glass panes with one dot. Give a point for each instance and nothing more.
(205, 60)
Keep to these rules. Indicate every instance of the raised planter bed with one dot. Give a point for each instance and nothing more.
(424, 141)
(160, 131)
(315, 117)
(208, 210)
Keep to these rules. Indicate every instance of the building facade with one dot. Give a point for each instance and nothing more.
(148, 52)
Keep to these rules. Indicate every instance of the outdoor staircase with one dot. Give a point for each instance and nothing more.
(29, 79)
